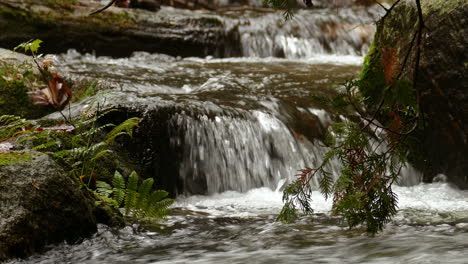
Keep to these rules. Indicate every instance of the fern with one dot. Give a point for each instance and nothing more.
(47, 145)
(131, 193)
(95, 131)
(143, 197)
(119, 188)
(160, 210)
(11, 124)
(125, 128)
(103, 188)
(140, 202)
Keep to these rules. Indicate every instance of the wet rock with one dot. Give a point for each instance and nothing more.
(115, 32)
(442, 82)
(39, 205)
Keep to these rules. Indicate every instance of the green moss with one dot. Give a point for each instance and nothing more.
(62, 4)
(13, 13)
(211, 21)
(13, 158)
(372, 78)
(441, 6)
(108, 19)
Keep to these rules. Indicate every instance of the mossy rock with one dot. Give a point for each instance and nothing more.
(14, 158)
(440, 145)
(40, 205)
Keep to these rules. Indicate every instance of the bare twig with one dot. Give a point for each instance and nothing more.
(104, 8)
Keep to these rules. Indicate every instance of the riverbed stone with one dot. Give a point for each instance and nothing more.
(441, 146)
(115, 32)
(39, 205)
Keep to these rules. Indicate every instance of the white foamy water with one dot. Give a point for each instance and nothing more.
(437, 197)
(233, 227)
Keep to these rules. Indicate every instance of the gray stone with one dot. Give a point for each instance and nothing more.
(40, 205)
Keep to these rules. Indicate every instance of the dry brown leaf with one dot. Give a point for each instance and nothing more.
(56, 94)
(33, 182)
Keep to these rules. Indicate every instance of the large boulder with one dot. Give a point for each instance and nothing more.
(441, 146)
(39, 205)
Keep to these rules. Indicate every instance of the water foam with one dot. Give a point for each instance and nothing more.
(438, 197)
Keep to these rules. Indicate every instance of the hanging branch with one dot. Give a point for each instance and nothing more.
(364, 186)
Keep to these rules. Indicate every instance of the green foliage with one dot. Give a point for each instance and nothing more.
(13, 158)
(91, 143)
(362, 192)
(140, 202)
(286, 5)
(119, 188)
(125, 128)
(32, 45)
(85, 89)
(372, 78)
(131, 194)
(10, 125)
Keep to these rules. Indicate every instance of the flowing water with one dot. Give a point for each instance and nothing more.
(242, 127)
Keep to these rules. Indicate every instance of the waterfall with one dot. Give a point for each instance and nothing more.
(338, 31)
(241, 153)
(242, 123)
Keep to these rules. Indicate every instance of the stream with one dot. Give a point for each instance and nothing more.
(243, 127)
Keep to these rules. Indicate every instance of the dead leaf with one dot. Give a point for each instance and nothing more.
(33, 182)
(56, 94)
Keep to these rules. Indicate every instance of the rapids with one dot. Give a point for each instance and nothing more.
(244, 127)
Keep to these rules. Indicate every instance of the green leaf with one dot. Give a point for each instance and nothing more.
(143, 197)
(31, 45)
(131, 195)
(119, 188)
(102, 153)
(103, 188)
(126, 128)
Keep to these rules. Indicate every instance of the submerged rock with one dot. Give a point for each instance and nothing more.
(39, 205)
(442, 146)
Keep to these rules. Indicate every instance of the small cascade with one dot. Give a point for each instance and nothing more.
(338, 31)
(233, 153)
(222, 126)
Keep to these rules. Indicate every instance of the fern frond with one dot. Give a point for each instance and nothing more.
(101, 154)
(10, 124)
(161, 209)
(157, 196)
(119, 188)
(46, 145)
(95, 130)
(326, 184)
(95, 148)
(103, 188)
(125, 128)
(143, 197)
(76, 153)
(6, 120)
(131, 195)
